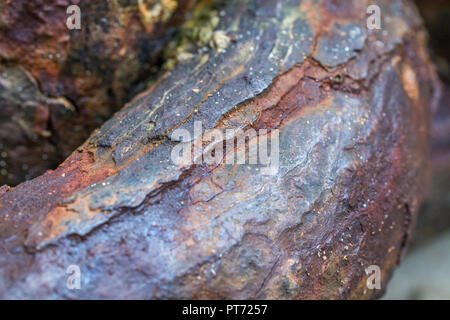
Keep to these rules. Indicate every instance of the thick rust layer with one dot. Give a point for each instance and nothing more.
(352, 106)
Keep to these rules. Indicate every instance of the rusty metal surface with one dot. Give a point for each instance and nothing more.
(434, 217)
(57, 85)
(352, 106)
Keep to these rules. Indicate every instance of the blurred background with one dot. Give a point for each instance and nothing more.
(425, 271)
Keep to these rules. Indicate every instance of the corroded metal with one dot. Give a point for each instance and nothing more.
(352, 107)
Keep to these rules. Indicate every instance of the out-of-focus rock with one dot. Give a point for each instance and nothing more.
(59, 84)
(352, 107)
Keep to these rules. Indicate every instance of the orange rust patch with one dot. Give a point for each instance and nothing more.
(409, 81)
(79, 173)
(289, 92)
(47, 191)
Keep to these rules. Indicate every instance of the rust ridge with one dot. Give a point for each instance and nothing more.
(352, 107)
